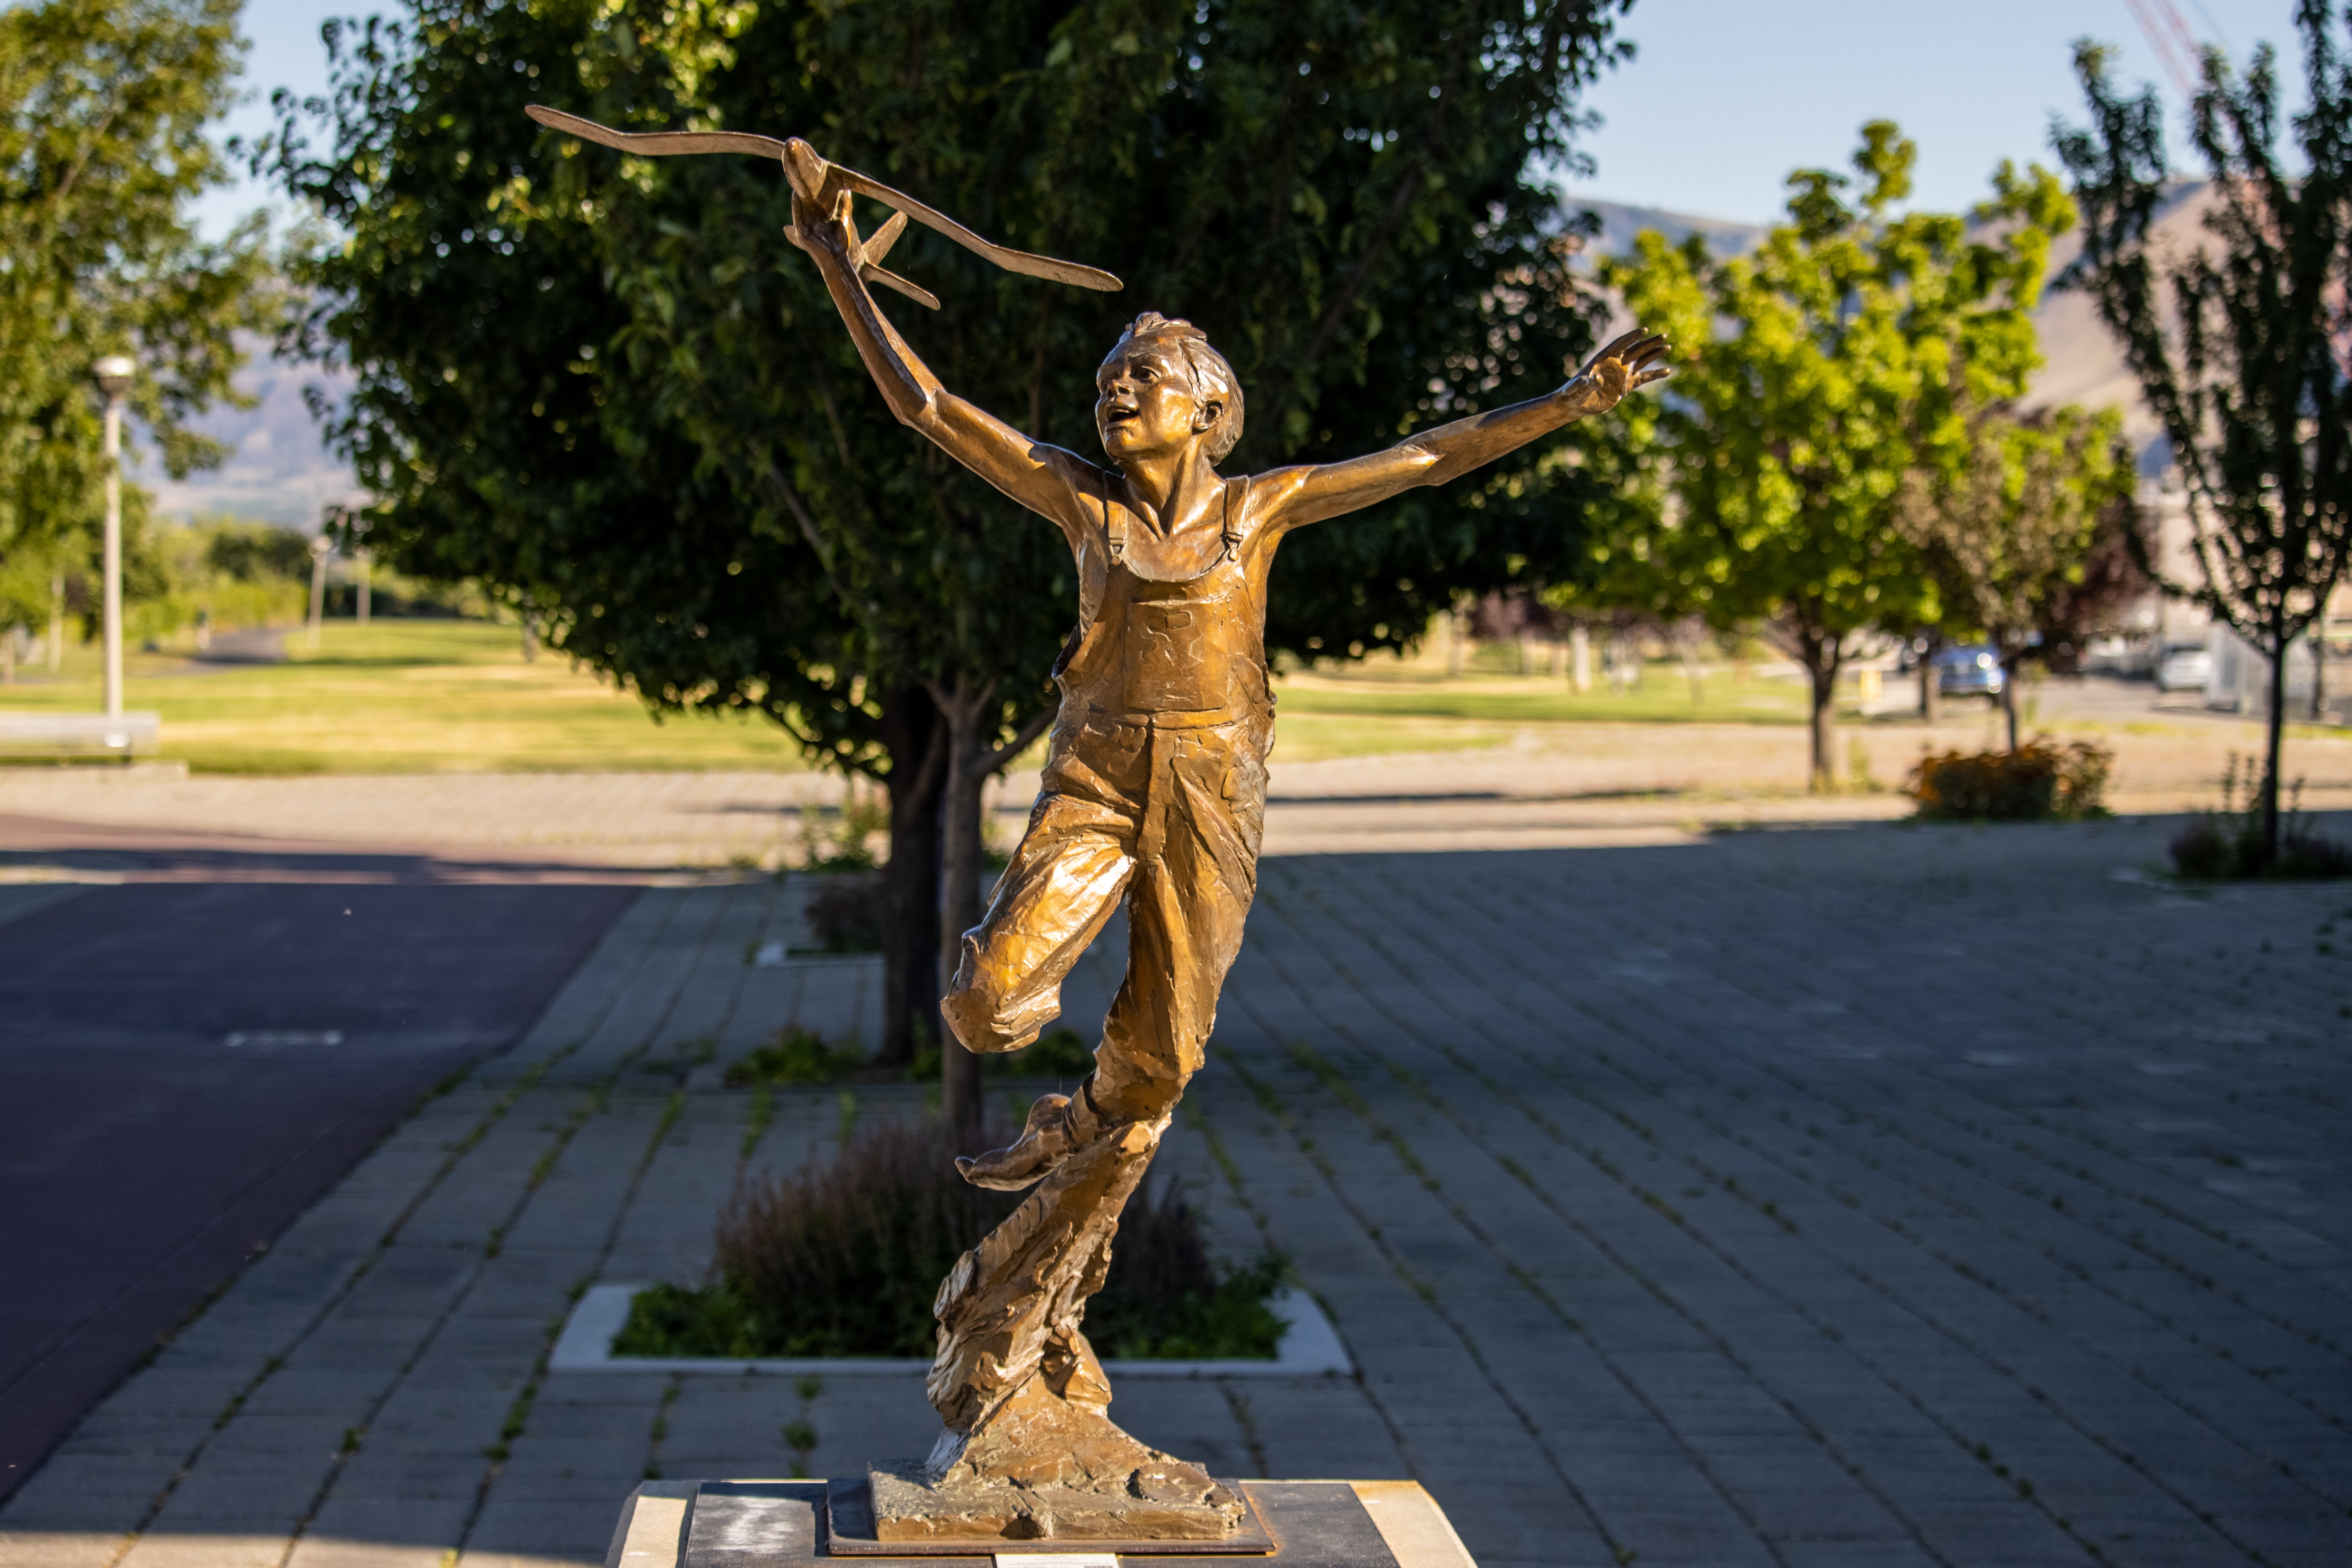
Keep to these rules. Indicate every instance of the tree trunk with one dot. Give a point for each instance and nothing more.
(2319, 670)
(1580, 659)
(2277, 726)
(910, 881)
(969, 723)
(1685, 647)
(1818, 652)
(2009, 698)
(1931, 690)
(970, 752)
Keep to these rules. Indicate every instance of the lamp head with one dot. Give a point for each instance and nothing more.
(114, 372)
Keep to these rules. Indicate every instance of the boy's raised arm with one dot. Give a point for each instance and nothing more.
(1045, 479)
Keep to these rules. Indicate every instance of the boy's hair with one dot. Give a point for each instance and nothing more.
(1212, 377)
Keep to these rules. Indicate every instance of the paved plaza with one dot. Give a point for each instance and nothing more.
(1843, 1196)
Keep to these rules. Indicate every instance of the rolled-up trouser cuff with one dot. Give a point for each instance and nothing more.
(976, 1015)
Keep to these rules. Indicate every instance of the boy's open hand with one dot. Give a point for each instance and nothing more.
(814, 228)
(1631, 361)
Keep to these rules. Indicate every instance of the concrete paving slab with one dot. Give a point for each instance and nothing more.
(1782, 1197)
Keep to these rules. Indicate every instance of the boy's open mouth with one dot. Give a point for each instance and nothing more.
(1117, 414)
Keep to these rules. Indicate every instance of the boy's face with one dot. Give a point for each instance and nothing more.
(1145, 402)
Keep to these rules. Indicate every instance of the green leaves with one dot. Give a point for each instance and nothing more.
(102, 109)
(1360, 239)
(1851, 340)
(2238, 342)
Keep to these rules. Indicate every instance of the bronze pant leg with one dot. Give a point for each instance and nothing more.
(1195, 876)
(1009, 1312)
(1065, 880)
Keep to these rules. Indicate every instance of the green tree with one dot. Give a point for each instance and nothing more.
(1857, 335)
(2006, 534)
(103, 105)
(2240, 345)
(608, 385)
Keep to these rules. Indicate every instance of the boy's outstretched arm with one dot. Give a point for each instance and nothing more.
(1310, 494)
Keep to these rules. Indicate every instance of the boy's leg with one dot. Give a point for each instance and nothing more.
(1061, 887)
(1185, 913)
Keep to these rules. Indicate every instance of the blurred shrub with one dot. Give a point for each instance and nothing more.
(844, 1259)
(251, 551)
(842, 839)
(795, 1056)
(1165, 1300)
(2041, 781)
(2227, 845)
(845, 914)
(1060, 1054)
(1056, 1053)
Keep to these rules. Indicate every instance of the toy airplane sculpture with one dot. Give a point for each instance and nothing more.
(820, 184)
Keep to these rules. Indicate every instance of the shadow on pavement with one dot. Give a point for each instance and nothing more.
(197, 1048)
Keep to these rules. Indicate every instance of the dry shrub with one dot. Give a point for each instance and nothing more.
(845, 914)
(2227, 845)
(1164, 1298)
(844, 1259)
(2041, 781)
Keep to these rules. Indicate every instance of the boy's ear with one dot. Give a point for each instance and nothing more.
(1207, 415)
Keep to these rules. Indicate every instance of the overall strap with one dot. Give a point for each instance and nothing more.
(1115, 531)
(1232, 534)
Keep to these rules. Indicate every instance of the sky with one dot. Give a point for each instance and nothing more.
(1726, 97)
(1723, 98)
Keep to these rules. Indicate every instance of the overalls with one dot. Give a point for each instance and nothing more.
(1154, 789)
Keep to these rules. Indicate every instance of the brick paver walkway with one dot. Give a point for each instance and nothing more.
(1848, 1196)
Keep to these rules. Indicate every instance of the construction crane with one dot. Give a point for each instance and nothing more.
(2182, 55)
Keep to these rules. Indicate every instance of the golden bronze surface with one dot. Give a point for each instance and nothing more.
(1153, 795)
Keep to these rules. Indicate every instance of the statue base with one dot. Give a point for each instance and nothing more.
(1043, 1467)
(797, 1524)
(929, 1523)
(907, 1508)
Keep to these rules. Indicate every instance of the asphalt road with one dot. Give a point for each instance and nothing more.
(186, 1063)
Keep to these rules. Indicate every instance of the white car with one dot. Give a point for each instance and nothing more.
(2185, 667)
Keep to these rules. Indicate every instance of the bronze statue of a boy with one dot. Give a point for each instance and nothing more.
(1154, 792)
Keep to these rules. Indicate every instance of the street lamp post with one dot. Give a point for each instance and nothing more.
(355, 524)
(321, 548)
(114, 372)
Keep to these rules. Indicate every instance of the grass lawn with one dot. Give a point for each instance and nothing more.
(435, 696)
(403, 697)
(1390, 705)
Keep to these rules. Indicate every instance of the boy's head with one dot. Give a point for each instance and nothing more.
(1161, 384)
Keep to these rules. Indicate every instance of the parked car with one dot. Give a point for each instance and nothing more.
(1972, 671)
(2185, 667)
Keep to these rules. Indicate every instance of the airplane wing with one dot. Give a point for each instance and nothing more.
(662, 144)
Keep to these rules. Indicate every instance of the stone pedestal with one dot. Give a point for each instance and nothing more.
(789, 1524)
